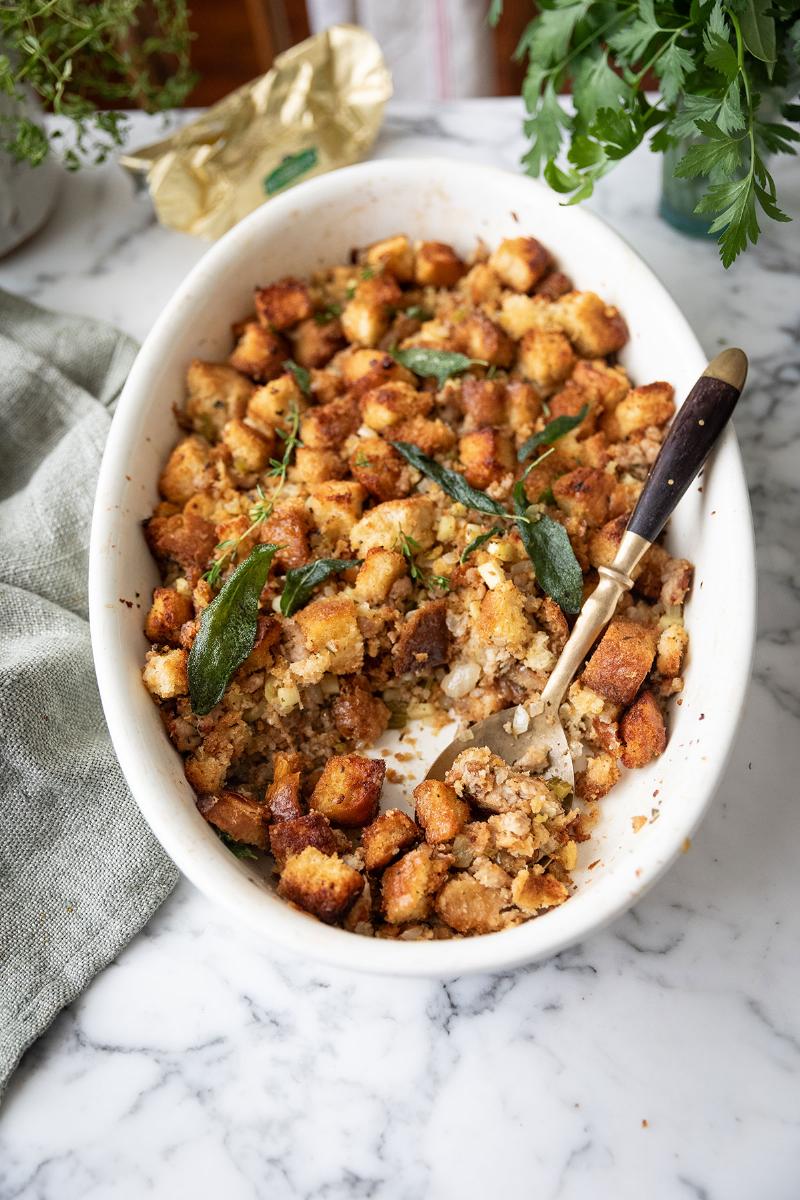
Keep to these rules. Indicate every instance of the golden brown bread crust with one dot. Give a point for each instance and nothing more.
(242, 818)
(644, 736)
(320, 883)
(408, 887)
(439, 811)
(259, 353)
(359, 716)
(348, 790)
(283, 304)
(382, 840)
(423, 641)
(168, 612)
(293, 835)
(623, 657)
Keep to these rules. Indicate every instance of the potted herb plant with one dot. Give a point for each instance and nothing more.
(83, 62)
(727, 75)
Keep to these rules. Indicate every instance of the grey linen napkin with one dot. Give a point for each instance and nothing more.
(80, 872)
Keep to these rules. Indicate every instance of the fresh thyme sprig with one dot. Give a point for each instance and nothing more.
(409, 547)
(264, 506)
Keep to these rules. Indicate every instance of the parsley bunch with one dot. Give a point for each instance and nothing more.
(75, 57)
(728, 75)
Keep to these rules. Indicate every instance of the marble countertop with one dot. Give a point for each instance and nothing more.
(658, 1059)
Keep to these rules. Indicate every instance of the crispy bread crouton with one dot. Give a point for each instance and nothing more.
(393, 402)
(642, 730)
(520, 262)
(367, 315)
(594, 327)
(642, 407)
(363, 370)
(336, 507)
(423, 641)
(320, 883)
(672, 646)
(348, 791)
(583, 493)
(326, 426)
(165, 674)
(283, 304)
(169, 610)
(314, 343)
(531, 892)
(393, 254)
(519, 313)
(601, 383)
(481, 284)
(546, 358)
(207, 768)
(378, 572)
(316, 466)
(330, 627)
(272, 406)
(243, 819)
(621, 660)
(250, 450)
(389, 833)
(483, 401)
(187, 470)
(382, 471)
(553, 286)
(432, 436)
(183, 538)
(358, 715)
(288, 528)
(439, 811)
(408, 887)
(598, 777)
(502, 620)
(469, 907)
(437, 264)
(259, 353)
(480, 338)
(293, 835)
(384, 523)
(215, 393)
(283, 796)
(486, 456)
(524, 408)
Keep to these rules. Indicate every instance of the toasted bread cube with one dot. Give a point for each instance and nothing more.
(316, 466)
(672, 646)
(604, 542)
(469, 907)
(364, 324)
(207, 768)
(314, 343)
(292, 836)
(283, 794)
(283, 304)
(273, 406)
(437, 264)
(593, 452)
(483, 401)
(394, 254)
(393, 402)
(519, 314)
(520, 262)
(250, 450)
(502, 620)
(431, 436)
(384, 523)
(642, 407)
(542, 478)
(259, 353)
(423, 641)
(187, 470)
(524, 409)
(215, 394)
(619, 665)
(569, 402)
(642, 730)
(481, 285)
(288, 529)
(336, 507)
(326, 426)
(358, 715)
(486, 456)
(381, 470)
(377, 574)
(389, 833)
(243, 819)
(408, 887)
(598, 778)
(554, 285)
(320, 883)
(348, 791)
(326, 384)
(594, 327)
(286, 763)
(183, 538)
(601, 383)
(480, 338)
(532, 892)
(165, 674)
(546, 358)
(439, 811)
(169, 610)
(330, 626)
(583, 494)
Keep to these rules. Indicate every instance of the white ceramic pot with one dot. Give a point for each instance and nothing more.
(317, 224)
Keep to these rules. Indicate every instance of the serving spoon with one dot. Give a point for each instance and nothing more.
(691, 438)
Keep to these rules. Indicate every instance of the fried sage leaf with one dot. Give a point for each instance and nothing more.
(478, 541)
(301, 581)
(440, 364)
(449, 481)
(301, 374)
(558, 572)
(551, 433)
(227, 630)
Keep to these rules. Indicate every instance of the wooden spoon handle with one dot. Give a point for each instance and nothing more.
(699, 422)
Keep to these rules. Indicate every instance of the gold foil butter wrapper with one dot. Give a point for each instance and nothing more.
(319, 107)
